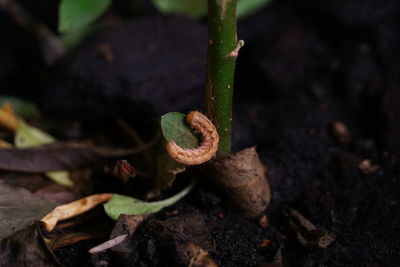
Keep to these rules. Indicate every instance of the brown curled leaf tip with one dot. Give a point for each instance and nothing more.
(208, 145)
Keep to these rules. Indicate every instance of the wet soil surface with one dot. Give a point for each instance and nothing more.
(306, 71)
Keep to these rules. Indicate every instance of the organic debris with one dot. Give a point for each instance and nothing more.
(367, 167)
(73, 209)
(306, 232)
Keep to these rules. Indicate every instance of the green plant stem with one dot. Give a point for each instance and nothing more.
(221, 58)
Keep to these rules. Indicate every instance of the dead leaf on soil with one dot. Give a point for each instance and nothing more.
(185, 239)
(72, 209)
(19, 208)
(67, 239)
(28, 136)
(7, 118)
(306, 232)
(62, 156)
(26, 248)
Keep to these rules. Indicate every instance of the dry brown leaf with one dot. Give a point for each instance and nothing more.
(67, 239)
(5, 144)
(7, 118)
(73, 209)
(306, 232)
(61, 156)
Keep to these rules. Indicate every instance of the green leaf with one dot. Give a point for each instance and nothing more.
(60, 177)
(198, 8)
(191, 8)
(74, 38)
(175, 128)
(19, 208)
(247, 7)
(28, 136)
(23, 108)
(120, 204)
(78, 14)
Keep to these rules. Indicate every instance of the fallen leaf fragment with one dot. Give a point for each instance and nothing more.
(66, 240)
(61, 156)
(73, 209)
(120, 204)
(26, 248)
(5, 144)
(306, 232)
(19, 208)
(367, 167)
(28, 136)
(7, 119)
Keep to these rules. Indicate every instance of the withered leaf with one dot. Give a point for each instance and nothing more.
(26, 248)
(61, 156)
(19, 208)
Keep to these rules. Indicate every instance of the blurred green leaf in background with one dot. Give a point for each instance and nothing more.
(74, 15)
(198, 8)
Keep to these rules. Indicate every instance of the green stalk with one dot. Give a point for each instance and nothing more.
(223, 48)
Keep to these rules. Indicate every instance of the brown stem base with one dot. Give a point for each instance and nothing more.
(241, 177)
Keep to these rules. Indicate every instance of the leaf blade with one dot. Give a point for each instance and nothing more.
(77, 14)
(192, 8)
(175, 128)
(19, 208)
(120, 204)
(27, 136)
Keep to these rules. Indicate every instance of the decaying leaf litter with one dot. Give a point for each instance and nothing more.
(310, 169)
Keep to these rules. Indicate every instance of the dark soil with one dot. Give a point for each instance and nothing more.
(304, 66)
(134, 77)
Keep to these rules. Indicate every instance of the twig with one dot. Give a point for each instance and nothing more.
(108, 244)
